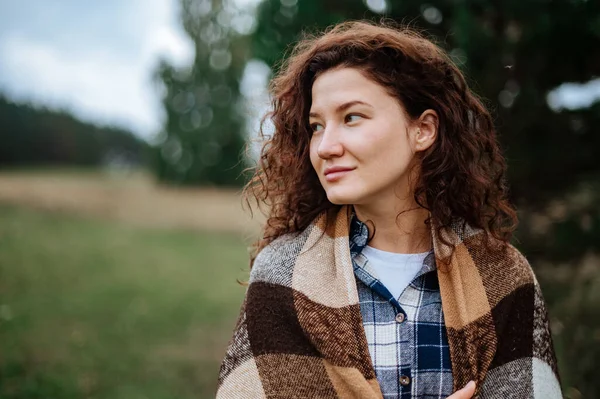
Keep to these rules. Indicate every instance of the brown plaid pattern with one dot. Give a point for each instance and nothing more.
(300, 332)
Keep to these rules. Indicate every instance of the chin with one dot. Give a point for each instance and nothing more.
(339, 196)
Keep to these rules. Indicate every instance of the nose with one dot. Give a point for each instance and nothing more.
(330, 145)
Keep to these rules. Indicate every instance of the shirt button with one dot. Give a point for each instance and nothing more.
(404, 380)
(400, 317)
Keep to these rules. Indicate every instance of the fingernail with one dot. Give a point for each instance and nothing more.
(470, 385)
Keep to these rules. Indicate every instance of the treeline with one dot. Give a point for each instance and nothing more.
(32, 136)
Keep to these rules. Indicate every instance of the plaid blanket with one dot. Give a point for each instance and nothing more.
(300, 332)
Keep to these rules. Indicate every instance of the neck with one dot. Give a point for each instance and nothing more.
(399, 229)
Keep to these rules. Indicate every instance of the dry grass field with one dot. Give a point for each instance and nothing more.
(133, 198)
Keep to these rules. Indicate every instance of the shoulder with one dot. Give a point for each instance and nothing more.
(498, 262)
(489, 254)
(514, 263)
(275, 262)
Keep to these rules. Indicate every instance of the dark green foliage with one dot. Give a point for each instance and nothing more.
(203, 140)
(41, 137)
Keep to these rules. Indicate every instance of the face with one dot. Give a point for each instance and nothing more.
(363, 145)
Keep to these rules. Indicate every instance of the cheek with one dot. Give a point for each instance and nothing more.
(384, 150)
(372, 146)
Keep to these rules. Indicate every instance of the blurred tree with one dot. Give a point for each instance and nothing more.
(515, 53)
(203, 138)
(37, 136)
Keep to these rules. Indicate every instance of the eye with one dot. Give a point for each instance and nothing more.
(315, 127)
(352, 118)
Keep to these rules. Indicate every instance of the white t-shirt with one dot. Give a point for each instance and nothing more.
(394, 270)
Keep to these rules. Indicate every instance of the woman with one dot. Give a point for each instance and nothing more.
(385, 268)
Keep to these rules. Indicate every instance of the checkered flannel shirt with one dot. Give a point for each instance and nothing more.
(406, 335)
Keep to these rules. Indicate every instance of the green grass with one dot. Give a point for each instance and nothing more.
(92, 309)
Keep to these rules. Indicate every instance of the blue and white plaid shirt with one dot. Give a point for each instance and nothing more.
(406, 335)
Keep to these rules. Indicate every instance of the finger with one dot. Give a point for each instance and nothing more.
(464, 393)
(468, 391)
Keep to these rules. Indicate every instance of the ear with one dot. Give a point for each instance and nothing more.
(426, 130)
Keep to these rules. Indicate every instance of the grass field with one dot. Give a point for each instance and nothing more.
(94, 308)
(114, 287)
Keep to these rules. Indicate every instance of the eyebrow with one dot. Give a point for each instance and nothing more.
(342, 107)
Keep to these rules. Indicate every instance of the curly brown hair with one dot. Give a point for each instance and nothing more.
(462, 174)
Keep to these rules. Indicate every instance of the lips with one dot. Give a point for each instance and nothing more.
(336, 173)
(336, 169)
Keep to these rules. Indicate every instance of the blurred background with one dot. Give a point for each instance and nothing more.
(122, 134)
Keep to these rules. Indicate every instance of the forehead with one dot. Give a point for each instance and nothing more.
(339, 85)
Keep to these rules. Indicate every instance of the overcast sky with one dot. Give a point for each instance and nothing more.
(96, 58)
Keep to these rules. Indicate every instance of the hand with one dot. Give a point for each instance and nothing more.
(465, 393)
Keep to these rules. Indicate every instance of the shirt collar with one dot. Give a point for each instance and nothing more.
(359, 237)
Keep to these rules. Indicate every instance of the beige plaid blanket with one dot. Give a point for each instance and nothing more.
(300, 333)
